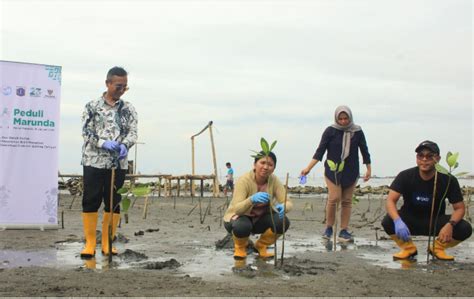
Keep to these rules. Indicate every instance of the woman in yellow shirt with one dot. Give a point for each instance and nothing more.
(249, 211)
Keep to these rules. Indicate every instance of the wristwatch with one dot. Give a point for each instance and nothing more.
(452, 222)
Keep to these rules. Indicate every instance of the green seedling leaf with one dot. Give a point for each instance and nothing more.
(332, 165)
(264, 145)
(273, 145)
(448, 154)
(452, 159)
(341, 167)
(355, 199)
(460, 174)
(125, 203)
(122, 190)
(141, 191)
(441, 169)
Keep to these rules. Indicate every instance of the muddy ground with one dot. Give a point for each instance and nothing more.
(171, 253)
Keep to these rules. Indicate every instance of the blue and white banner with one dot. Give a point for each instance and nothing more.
(29, 136)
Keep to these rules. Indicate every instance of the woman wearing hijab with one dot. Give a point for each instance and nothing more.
(341, 141)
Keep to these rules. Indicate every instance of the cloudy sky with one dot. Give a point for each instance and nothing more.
(276, 69)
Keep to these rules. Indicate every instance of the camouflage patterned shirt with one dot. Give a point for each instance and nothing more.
(102, 122)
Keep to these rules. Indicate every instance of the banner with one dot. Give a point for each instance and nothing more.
(29, 135)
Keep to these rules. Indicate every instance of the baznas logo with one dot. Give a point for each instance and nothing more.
(35, 92)
(6, 90)
(20, 91)
(4, 112)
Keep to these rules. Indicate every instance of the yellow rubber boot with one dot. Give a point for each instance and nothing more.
(105, 232)
(90, 223)
(240, 247)
(266, 239)
(440, 247)
(90, 263)
(240, 263)
(408, 249)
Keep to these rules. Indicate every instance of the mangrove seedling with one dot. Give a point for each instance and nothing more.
(452, 161)
(336, 168)
(265, 152)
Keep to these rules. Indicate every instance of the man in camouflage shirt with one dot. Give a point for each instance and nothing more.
(109, 128)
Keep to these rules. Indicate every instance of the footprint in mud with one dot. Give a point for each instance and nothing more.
(171, 264)
(297, 267)
(371, 248)
(246, 271)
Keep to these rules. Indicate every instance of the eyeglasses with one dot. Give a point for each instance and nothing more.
(120, 87)
(420, 156)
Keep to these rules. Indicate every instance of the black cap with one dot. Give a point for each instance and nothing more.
(429, 145)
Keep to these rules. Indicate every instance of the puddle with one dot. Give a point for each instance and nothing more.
(381, 255)
(211, 263)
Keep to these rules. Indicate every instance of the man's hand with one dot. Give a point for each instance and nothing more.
(401, 229)
(111, 145)
(446, 233)
(123, 151)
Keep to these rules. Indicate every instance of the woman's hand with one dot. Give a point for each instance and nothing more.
(260, 197)
(305, 172)
(368, 173)
(309, 167)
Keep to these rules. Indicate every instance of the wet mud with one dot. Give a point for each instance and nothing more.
(171, 264)
(171, 253)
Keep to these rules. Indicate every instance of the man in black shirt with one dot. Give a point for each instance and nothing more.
(416, 186)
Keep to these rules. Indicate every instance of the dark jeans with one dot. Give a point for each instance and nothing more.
(97, 189)
(420, 226)
(243, 226)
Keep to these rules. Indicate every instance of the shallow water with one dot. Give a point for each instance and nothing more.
(211, 263)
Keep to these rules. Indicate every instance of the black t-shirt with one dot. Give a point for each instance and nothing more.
(417, 193)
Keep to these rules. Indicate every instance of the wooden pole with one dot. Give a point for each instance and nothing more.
(111, 207)
(216, 180)
(159, 187)
(284, 216)
(431, 219)
(178, 188)
(193, 166)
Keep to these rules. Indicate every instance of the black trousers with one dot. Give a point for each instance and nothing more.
(243, 226)
(97, 189)
(420, 226)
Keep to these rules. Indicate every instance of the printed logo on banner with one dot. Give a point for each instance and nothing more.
(20, 91)
(35, 92)
(4, 116)
(50, 94)
(6, 90)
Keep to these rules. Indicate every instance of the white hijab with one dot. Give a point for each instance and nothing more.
(349, 130)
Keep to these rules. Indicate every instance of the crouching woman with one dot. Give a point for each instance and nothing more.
(257, 207)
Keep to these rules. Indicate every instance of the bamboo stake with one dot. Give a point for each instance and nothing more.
(111, 207)
(216, 180)
(145, 208)
(431, 219)
(193, 166)
(335, 224)
(284, 216)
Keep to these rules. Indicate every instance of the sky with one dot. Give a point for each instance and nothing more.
(272, 69)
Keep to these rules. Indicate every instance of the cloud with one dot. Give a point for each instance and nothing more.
(274, 69)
